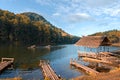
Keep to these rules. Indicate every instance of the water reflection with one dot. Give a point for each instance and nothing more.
(27, 61)
(26, 58)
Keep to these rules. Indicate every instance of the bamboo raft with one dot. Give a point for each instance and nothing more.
(48, 72)
(91, 55)
(5, 63)
(96, 60)
(102, 57)
(86, 69)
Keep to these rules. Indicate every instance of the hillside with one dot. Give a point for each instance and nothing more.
(31, 28)
(38, 18)
(113, 35)
(35, 17)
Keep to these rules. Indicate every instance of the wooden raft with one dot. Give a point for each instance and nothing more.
(48, 72)
(5, 63)
(86, 69)
(91, 55)
(96, 60)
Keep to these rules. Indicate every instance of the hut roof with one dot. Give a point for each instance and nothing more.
(93, 41)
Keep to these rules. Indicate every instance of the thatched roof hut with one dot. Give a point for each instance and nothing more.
(93, 41)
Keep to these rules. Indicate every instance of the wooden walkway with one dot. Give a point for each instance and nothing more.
(47, 70)
(5, 63)
(86, 69)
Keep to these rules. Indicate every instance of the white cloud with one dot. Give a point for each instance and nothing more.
(101, 13)
(99, 3)
(112, 12)
(79, 17)
(91, 7)
(94, 7)
(43, 2)
(56, 14)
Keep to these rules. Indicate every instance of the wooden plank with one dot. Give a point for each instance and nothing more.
(91, 55)
(5, 62)
(86, 69)
(53, 73)
(48, 71)
(7, 59)
(96, 60)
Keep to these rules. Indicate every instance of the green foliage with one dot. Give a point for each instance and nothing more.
(31, 28)
(113, 35)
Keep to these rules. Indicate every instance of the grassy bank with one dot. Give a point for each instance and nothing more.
(112, 75)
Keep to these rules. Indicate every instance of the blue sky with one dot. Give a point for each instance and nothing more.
(77, 17)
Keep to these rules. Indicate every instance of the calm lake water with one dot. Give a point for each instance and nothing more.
(27, 61)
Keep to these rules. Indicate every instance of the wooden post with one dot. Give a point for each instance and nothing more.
(71, 61)
(104, 48)
(100, 48)
(85, 49)
(108, 49)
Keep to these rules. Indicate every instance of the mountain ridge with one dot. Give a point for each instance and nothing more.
(36, 17)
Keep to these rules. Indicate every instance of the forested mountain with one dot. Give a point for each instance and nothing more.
(113, 35)
(30, 28)
(35, 17)
(39, 19)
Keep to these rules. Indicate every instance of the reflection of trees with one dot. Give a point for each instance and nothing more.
(54, 48)
(25, 58)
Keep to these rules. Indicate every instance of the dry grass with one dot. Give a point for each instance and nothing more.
(113, 75)
(16, 78)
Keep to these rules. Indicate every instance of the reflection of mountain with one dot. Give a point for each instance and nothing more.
(61, 53)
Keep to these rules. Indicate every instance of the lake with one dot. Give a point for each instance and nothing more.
(27, 61)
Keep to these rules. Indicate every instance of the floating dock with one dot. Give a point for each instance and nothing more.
(96, 60)
(90, 55)
(48, 72)
(86, 69)
(5, 63)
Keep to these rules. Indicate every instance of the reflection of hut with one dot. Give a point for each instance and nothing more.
(94, 44)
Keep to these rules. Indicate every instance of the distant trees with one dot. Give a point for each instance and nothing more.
(113, 35)
(30, 28)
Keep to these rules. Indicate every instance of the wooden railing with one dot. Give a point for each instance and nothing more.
(5, 62)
